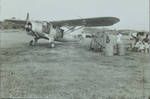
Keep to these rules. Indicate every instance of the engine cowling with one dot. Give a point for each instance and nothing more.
(39, 27)
(28, 27)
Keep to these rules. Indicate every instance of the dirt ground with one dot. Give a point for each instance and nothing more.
(69, 71)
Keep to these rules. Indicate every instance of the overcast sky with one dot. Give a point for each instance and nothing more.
(133, 14)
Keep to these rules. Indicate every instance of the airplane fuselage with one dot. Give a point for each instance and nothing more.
(43, 30)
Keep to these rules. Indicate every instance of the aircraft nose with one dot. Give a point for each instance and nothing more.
(28, 27)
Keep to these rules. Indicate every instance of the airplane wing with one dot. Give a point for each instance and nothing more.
(89, 22)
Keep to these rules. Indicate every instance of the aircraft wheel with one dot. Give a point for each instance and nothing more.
(52, 45)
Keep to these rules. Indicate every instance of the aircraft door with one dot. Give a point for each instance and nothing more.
(46, 27)
(59, 33)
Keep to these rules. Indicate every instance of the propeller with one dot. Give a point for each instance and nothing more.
(28, 25)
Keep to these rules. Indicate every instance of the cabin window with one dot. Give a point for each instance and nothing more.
(46, 28)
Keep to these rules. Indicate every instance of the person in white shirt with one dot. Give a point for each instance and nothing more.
(119, 44)
(119, 38)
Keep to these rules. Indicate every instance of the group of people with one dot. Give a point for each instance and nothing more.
(104, 42)
(141, 44)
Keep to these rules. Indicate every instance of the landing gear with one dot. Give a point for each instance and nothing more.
(33, 42)
(51, 41)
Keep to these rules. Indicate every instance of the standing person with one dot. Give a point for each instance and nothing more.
(109, 46)
(142, 47)
(138, 42)
(118, 37)
(146, 43)
(134, 39)
(119, 44)
(137, 46)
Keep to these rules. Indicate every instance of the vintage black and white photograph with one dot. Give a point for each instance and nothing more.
(74, 49)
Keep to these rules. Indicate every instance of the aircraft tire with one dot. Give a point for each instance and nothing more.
(52, 45)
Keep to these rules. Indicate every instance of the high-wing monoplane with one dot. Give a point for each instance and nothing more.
(52, 31)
